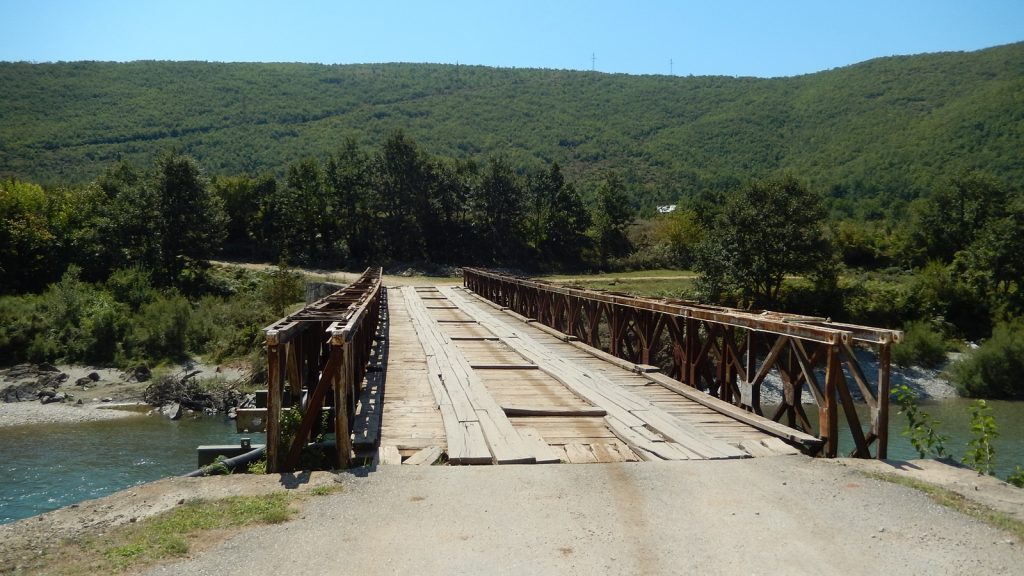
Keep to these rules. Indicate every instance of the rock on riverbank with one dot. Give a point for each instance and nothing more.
(36, 394)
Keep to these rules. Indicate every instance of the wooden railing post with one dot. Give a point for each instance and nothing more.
(881, 423)
(342, 384)
(274, 397)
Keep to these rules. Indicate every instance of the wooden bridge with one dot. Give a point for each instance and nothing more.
(507, 370)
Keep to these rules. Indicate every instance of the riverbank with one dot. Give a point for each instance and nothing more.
(22, 413)
(25, 542)
(87, 393)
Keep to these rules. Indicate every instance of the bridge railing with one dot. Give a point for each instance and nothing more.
(318, 356)
(725, 352)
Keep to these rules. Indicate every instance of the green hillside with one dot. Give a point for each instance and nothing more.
(897, 125)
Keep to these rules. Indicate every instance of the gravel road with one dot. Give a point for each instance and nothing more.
(786, 515)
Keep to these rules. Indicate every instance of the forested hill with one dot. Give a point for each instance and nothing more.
(899, 125)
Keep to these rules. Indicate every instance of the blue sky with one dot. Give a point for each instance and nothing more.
(727, 37)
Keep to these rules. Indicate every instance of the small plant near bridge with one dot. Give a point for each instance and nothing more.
(981, 454)
(921, 427)
(925, 438)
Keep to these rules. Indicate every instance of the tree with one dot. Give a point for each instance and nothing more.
(348, 174)
(558, 220)
(26, 241)
(767, 230)
(612, 216)
(682, 231)
(993, 264)
(452, 239)
(191, 220)
(240, 196)
(402, 180)
(951, 218)
(498, 214)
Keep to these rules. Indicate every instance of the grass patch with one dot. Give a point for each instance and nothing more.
(325, 489)
(643, 283)
(168, 536)
(605, 276)
(955, 501)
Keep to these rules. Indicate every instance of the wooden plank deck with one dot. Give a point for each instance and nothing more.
(411, 419)
(486, 387)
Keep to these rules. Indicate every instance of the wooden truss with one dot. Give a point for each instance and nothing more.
(319, 355)
(725, 352)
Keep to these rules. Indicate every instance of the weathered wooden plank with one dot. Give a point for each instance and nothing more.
(506, 448)
(424, 457)
(606, 453)
(544, 453)
(389, 455)
(524, 410)
(580, 454)
(640, 445)
(759, 422)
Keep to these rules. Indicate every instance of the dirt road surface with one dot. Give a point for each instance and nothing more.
(786, 515)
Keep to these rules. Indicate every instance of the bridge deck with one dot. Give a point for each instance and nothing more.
(481, 386)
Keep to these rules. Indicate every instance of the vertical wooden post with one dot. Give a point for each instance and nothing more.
(882, 419)
(828, 424)
(342, 386)
(274, 397)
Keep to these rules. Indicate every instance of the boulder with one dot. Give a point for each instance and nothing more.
(47, 367)
(172, 410)
(58, 397)
(141, 373)
(52, 379)
(83, 381)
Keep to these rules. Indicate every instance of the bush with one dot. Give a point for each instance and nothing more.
(131, 286)
(649, 257)
(922, 345)
(994, 370)
(282, 288)
(159, 330)
(938, 295)
(228, 327)
(874, 302)
(21, 325)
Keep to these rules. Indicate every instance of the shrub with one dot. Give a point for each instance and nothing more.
(981, 453)
(158, 331)
(994, 369)
(875, 302)
(938, 295)
(922, 429)
(21, 326)
(131, 286)
(228, 327)
(922, 345)
(282, 288)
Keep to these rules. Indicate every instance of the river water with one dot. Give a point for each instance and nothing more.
(47, 466)
(44, 467)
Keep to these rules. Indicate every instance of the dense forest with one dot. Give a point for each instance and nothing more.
(892, 128)
(885, 193)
